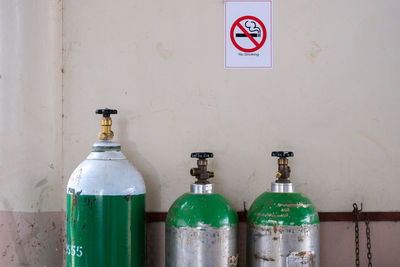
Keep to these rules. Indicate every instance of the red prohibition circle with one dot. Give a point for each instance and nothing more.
(257, 45)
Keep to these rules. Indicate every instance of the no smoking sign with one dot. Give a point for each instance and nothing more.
(248, 34)
(244, 32)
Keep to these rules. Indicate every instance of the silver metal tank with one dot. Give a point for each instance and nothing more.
(283, 226)
(201, 226)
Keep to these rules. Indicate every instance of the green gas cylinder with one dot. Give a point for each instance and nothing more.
(283, 226)
(201, 226)
(105, 207)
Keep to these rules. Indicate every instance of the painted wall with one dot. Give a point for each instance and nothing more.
(31, 182)
(30, 97)
(332, 97)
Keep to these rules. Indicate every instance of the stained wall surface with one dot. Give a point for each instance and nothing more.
(332, 97)
(31, 181)
(30, 97)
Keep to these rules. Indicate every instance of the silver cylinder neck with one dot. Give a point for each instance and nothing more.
(282, 187)
(202, 188)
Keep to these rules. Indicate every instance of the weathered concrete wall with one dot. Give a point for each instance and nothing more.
(32, 186)
(32, 238)
(31, 112)
(332, 97)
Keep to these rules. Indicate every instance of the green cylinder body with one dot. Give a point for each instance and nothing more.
(105, 211)
(197, 210)
(201, 230)
(292, 209)
(100, 232)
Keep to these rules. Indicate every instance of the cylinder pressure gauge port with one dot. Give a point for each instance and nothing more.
(201, 173)
(106, 122)
(283, 172)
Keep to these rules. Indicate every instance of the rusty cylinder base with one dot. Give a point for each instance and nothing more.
(199, 247)
(283, 246)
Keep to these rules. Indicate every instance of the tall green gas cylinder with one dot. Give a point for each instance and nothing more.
(106, 207)
(283, 226)
(201, 226)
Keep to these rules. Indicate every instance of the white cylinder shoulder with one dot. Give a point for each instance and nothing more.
(106, 172)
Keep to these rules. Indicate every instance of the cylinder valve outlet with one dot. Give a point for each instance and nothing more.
(106, 122)
(282, 225)
(201, 173)
(105, 207)
(283, 172)
(201, 226)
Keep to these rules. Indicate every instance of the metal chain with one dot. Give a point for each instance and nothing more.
(368, 232)
(356, 213)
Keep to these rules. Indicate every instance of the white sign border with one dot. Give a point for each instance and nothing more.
(272, 35)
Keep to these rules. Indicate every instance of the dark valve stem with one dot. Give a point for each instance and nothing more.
(201, 173)
(283, 172)
(106, 112)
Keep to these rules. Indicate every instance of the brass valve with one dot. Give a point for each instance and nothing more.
(283, 172)
(106, 122)
(201, 173)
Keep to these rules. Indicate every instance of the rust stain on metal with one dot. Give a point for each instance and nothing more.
(233, 260)
(261, 257)
(128, 198)
(306, 257)
(302, 254)
(76, 197)
(74, 201)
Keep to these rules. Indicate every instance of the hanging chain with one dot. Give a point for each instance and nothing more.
(356, 213)
(368, 232)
